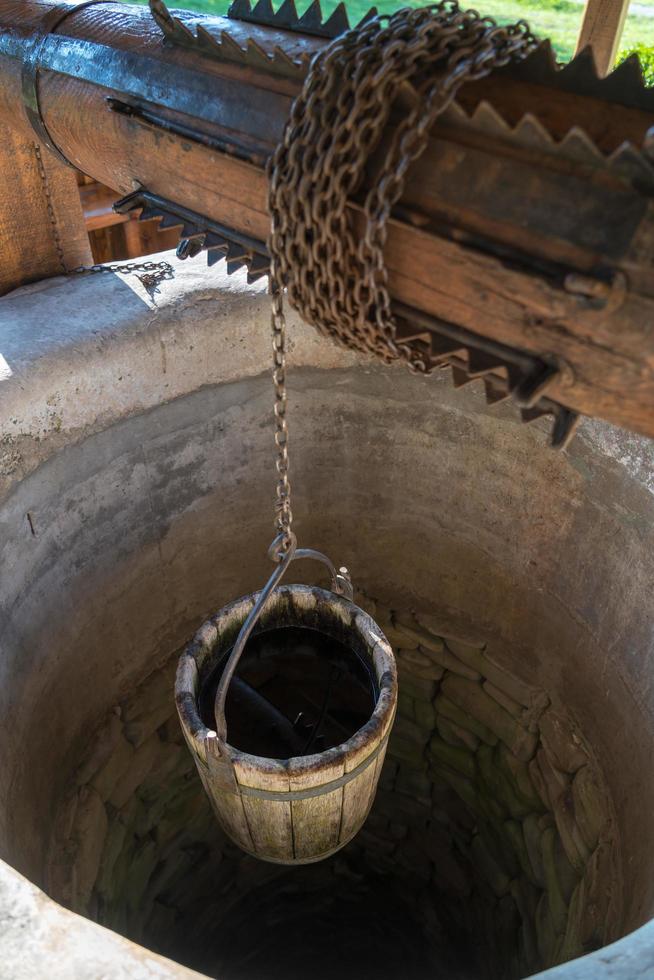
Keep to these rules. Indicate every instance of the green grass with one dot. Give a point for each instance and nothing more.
(558, 20)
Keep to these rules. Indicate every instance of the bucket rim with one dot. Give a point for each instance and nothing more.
(203, 740)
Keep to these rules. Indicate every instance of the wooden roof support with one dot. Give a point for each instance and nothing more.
(42, 229)
(601, 29)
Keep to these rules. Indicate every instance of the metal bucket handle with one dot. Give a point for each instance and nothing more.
(341, 585)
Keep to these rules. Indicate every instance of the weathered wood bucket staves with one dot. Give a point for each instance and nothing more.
(303, 808)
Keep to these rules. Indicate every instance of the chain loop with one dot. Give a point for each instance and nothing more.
(150, 273)
(335, 278)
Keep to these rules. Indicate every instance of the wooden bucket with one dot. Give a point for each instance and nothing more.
(302, 809)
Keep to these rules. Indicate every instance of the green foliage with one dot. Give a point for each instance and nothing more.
(558, 20)
(562, 6)
(646, 58)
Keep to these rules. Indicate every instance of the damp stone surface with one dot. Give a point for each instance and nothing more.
(490, 849)
(512, 829)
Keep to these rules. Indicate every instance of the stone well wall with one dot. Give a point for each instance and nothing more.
(514, 583)
(492, 819)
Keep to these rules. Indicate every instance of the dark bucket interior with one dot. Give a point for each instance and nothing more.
(296, 691)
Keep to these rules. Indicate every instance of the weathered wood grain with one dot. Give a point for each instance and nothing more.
(517, 243)
(289, 810)
(360, 791)
(601, 29)
(230, 814)
(97, 205)
(269, 821)
(317, 819)
(114, 236)
(42, 230)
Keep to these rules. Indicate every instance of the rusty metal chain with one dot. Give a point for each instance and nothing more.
(54, 226)
(334, 273)
(149, 273)
(283, 513)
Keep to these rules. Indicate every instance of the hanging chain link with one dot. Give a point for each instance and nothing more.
(283, 513)
(335, 277)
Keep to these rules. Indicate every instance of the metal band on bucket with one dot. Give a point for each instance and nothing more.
(305, 794)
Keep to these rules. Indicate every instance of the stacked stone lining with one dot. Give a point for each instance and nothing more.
(492, 821)
(527, 827)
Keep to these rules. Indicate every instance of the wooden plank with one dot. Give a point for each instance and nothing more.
(42, 230)
(227, 806)
(358, 794)
(106, 244)
(601, 29)
(611, 361)
(131, 239)
(316, 821)
(269, 821)
(559, 215)
(97, 204)
(146, 237)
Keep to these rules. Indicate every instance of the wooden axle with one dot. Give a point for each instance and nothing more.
(518, 226)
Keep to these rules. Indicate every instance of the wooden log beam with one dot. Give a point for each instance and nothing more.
(525, 232)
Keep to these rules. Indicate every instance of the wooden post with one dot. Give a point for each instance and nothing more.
(602, 28)
(42, 230)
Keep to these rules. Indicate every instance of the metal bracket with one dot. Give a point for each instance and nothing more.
(157, 122)
(198, 234)
(30, 70)
(506, 372)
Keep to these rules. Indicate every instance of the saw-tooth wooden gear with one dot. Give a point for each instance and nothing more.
(286, 17)
(198, 234)
(225, 47)
(505, 374)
